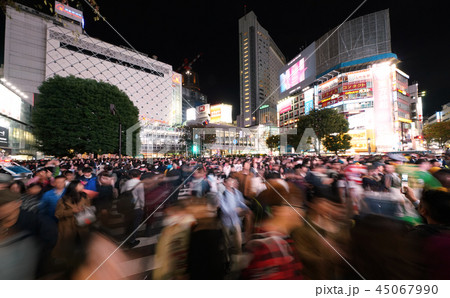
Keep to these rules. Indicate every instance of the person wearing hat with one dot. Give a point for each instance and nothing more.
(42, 177)
(89, 179)
(271, 250)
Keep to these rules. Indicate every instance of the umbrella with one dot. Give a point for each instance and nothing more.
(397, 157)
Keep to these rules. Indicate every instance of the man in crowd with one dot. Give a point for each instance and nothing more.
(134, 218)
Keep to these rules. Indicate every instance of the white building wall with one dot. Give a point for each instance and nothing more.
(89, 58)
(37, 49)
(25, 42)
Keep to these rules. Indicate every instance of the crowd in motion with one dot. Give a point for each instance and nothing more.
(247, 217)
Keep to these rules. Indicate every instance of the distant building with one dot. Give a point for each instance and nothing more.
(260, 61)
(191, 99)
(416, 115)
(446, 112)
(440, 116)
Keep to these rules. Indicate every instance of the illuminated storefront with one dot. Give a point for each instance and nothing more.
(16, 138)
(374, 99)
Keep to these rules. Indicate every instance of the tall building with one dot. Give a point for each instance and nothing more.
(353, 70)
(416, 115)
(191, 99)
(39, 46)
(260, 61)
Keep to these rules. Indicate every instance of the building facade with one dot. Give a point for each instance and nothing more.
(440, 116)
(356, 74)
(191, 99)
(38, 47)
(16, 138)
(260, 61)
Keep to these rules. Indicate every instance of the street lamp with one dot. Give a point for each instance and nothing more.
(112, 109)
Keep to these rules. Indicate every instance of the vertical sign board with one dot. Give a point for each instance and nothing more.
(385, 137)
(4, 136)
(177, 104)
(309, 100)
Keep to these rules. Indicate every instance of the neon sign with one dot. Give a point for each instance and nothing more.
(69, 12)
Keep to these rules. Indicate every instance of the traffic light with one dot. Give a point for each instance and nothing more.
(195, 149)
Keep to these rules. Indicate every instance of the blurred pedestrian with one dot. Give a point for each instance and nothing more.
(271, 250)
(134, 218)
(70, 234)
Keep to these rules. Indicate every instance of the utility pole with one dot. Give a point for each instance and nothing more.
(112, 109)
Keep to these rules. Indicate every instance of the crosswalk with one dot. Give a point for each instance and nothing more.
(140, 259)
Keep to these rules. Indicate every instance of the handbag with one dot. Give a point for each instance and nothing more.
(85, 217)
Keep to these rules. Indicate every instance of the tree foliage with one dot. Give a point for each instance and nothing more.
(324, 122)
(74, 113)
(437, 132)
(273, 142)
(337, 142)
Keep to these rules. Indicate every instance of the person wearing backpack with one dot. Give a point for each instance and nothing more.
(135, 216)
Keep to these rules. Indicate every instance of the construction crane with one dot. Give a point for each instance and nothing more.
(187, 65)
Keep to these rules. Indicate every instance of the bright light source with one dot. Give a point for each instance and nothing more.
(3, 80)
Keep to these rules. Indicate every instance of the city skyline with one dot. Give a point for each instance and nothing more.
(183, 30)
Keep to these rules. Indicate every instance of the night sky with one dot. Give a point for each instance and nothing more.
(174, 30)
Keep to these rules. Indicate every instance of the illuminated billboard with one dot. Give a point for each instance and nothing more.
(309, 100)
(299, 73)
(386, 139)
(359, 139)
(191, 114)
(177, 103)
(221, 113)
(284, 106)
(10, 103)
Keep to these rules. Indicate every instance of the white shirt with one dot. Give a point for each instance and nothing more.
(138, 192)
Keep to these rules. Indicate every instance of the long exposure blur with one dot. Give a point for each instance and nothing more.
(228, 218)
(166, 140)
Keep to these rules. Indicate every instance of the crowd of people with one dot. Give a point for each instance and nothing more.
(243, 217)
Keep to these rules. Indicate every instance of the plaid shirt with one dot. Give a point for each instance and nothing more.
(274, 257)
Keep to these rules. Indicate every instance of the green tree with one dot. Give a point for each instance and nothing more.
(437, 132)
(324, 122)
(74, 114)
(273, 142)
(337, 142)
